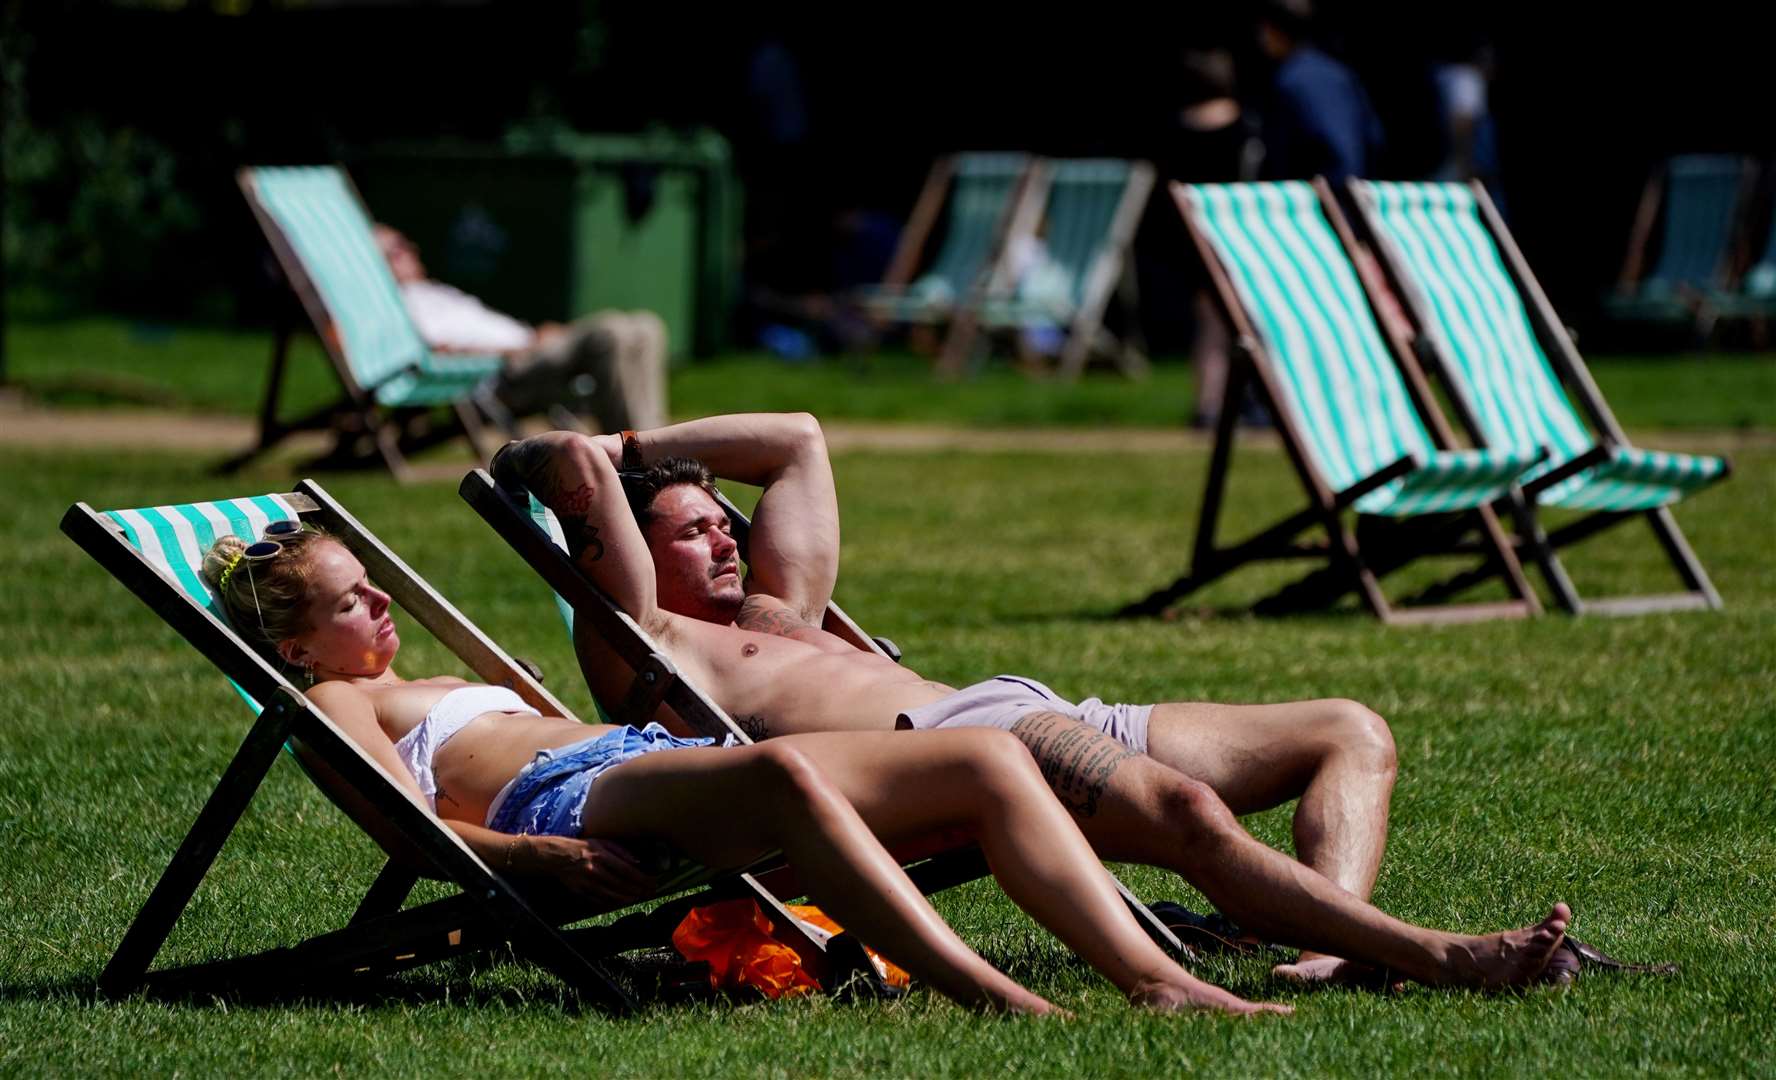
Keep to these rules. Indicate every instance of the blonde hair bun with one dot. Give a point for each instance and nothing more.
(224, 553)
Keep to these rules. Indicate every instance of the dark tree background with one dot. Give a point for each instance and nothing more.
(125, 121)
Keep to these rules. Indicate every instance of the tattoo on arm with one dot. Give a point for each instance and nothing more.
(760, 615)
(1076, 760)
(582, 539)
(570, 509)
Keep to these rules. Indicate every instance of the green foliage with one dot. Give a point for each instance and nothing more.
(1619, 764)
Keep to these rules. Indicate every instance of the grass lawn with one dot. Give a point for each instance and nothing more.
(1621, 765)
(100, 360)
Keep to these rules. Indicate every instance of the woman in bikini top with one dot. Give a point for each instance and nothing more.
(547, 796)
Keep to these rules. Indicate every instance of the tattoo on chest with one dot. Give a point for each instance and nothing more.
(755, 727)
(1076, 760)
(765, 618)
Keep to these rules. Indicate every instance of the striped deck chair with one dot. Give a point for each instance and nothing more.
(1696, 199)
(1753, 296)
(157, 552)
(533, 532)
(1486, 325)
(1084, 217)
(390, 381)
(979, 196)
(1350, 417)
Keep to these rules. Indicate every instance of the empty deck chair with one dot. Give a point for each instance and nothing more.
(1696, 201)
(390, 382)
(1348, 415)
(157, 553)
(1080, 229)
(978, 196)
(1510, 367)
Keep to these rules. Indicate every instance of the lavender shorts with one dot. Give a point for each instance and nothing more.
(1003, 700)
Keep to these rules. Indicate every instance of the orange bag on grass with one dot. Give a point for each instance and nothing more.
(734, 939)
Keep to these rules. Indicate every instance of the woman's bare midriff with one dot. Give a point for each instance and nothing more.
(476, 762)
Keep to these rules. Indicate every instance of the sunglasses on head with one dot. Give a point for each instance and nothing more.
(268, 544)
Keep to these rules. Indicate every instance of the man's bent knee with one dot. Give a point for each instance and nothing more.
(1355, 729)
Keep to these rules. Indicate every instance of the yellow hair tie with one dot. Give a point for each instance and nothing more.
(228, 571)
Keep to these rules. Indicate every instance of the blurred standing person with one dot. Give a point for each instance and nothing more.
(1318, 120)
(1470, 138)
(1212, 140)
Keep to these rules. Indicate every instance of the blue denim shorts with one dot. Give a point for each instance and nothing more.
(548, 796)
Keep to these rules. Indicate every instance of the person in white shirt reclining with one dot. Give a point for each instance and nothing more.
(615, 361)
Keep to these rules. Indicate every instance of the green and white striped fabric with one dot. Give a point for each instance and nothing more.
(1332, 367)
(545, 520)
(321, 217)
(174, 539)
(1477, 322)
(1083, 196)
(981, 192)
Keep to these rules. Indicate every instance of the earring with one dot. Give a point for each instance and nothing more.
(308, 673)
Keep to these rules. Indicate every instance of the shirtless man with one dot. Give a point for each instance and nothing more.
(756, 647)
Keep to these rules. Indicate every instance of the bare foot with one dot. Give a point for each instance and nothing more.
(1318, 970)
(1513, 958)
(1196, 996)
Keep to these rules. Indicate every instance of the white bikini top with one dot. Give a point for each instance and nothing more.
(451, 714)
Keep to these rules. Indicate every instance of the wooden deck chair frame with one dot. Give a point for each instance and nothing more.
(910, 250)
(1110, 276)
(1355, 561)
(380, 938)
(657, 680)
(355, 416)
(1557, 344)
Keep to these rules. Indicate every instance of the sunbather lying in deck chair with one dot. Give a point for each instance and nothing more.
(541, 795)
(668, 559)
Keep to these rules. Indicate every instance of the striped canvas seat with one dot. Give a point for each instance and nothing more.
(1336, 376)
(326, 226)
(983, 187)
(174, 538)
(1478, 323)
(1083, 197)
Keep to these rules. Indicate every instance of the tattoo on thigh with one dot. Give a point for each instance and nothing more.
(1076, 760)
(759, 615)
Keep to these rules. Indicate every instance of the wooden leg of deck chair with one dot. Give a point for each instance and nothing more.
(387, 893)
(958, 346)
(469, 417)
(1204, 555)
(197, 852)
(387, 438)
(1688, 567)
(1529, 527)
(270, 431)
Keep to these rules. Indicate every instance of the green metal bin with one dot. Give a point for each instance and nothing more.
(551, 227)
